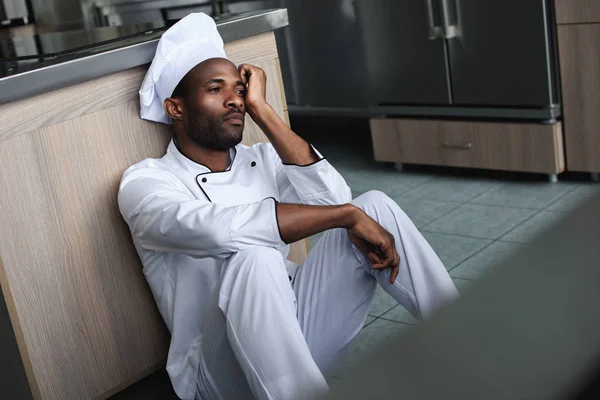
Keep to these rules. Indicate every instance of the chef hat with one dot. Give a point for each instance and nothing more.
(186, 44)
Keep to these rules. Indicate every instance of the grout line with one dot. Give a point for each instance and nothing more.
(499, 205)
(439, 217)
(519, 224)
(398, 322)
(561, 197)
(457, 234)
(468, 258)
(513, 241)
(374, 319)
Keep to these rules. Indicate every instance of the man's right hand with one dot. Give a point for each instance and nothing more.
(376, 243)
(298, 221)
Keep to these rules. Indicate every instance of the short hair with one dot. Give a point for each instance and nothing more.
(182, 89)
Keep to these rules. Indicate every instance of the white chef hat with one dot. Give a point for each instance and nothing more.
(186, 44)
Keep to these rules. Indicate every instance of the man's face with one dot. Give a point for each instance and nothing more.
(215, 106)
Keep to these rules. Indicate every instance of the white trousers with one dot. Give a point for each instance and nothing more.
(265, 338)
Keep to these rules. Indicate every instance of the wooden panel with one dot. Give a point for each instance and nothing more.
(516, 147)
(577, 11)
(84, 318)
(275, 97)
(64, 104)
(86, 315)
(580, 69)
(385, 140)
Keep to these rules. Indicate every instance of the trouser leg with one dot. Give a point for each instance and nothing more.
(257, 311)
(335, 285)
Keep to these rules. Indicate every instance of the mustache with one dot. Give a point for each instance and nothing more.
(233, 111)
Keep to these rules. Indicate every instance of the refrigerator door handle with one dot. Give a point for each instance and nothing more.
(449, 18)
(435, 31)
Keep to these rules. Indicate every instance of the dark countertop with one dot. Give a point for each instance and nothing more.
(35, 64)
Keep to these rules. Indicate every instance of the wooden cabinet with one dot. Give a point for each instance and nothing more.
(579, 47)
(577, 11)
(501, 146)
(84, 319)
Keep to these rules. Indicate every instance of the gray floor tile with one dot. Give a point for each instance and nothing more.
(423, 211)
(573, 200)
(446, 188)
(483, 262)
(453, 250)
(369, 320)
(524, 194)
(480, 220)
(393, 183)
(370, 339)
(463, 285)
(529, 230)
(399, 314)
(382, 302)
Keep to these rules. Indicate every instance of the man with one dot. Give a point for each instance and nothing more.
(211, 221)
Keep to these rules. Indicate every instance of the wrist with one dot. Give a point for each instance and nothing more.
(259, 111)
(349, 216)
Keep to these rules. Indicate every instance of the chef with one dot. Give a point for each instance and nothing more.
(212, 220)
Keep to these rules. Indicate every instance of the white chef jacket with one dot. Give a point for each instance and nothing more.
(186, 220)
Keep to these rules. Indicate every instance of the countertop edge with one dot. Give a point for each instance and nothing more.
(83, 69)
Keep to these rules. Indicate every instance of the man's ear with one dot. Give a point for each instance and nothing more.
(174, 108)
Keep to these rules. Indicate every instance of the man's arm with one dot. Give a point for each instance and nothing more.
(292, 149)
(298, 221)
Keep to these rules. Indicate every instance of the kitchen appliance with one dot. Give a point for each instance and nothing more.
(15, 13)
(461, 58)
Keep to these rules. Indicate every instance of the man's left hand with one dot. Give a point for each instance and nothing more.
(255, 80)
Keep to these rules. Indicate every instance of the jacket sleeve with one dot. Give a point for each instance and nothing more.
(318, 183)
(164, 216)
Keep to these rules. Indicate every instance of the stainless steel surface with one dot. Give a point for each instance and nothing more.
(84, 67)
(404, 66)
(496, 113)
(496, 59)
(502, 57)
(57, 15)
(322, 59)
(457, 146)
(449, 22)
(435, 31)
(12, 9)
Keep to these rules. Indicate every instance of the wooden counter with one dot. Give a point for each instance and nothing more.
(83, 316)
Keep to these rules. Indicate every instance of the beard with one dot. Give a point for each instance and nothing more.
(215, 134)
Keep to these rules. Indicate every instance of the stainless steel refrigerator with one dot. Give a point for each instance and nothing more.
(461, 58)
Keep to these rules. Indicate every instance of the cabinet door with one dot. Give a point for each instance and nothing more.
(404, 66)
(577, 11)
(501, 54)
(580, 68)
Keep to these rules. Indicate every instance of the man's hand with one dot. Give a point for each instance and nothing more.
(376, 243)
(255, 80)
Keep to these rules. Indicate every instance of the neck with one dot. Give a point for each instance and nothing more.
(215, 160)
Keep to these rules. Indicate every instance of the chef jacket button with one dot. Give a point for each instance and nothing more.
(253, 164)
(203, 180)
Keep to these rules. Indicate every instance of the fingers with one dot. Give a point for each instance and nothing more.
(245, 72)
(394, 274)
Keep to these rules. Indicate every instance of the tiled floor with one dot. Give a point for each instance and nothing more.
(472, 219)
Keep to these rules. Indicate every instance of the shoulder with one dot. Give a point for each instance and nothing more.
(149, 170)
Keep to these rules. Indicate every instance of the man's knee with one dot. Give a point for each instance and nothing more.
(256, 261)
(372, 199)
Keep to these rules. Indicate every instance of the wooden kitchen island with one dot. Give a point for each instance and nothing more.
(83, 323)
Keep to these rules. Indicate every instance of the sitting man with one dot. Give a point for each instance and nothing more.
(212, 220)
